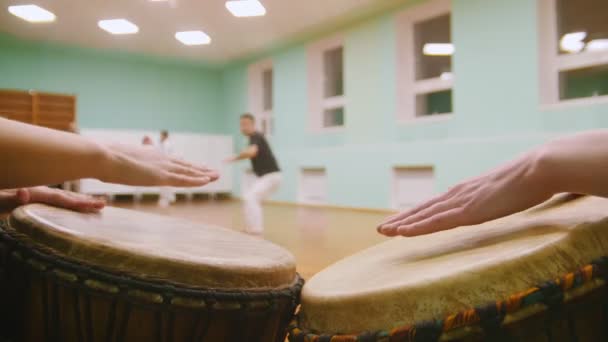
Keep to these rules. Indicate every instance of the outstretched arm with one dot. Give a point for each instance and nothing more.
(32, 155)
(250, 152)
(575, 164)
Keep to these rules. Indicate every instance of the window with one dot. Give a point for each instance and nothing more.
(412, 186)
(332, 72)
(313, 186)
(267, 89)
(573, 51)
(261, 91)
(326, 84)
(425, 50)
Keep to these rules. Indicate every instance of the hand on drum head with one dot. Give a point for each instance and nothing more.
(572, 164)
(10, 199)
(147, 166)
(511, 188)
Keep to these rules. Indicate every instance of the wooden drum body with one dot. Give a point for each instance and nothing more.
(126, 276)
(535, 276)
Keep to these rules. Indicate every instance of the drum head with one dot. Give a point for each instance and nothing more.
(410, 280)
(157, 247)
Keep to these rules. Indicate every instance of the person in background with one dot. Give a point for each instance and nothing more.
(572, 164)
(167, 194)
(26, 149)
(147, 141)
(75, 184)
(265, 168)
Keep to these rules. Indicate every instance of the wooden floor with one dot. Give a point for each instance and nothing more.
(317, 237)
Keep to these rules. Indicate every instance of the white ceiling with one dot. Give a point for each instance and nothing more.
(232, 38)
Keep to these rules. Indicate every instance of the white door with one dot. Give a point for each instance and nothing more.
(313, 186)
(412, 186)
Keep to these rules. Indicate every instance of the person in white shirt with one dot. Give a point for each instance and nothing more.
(167, 194)
(147, 141)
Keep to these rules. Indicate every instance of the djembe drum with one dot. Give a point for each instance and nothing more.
(535, 276)
(122, 275)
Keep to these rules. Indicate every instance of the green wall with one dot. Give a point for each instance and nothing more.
(497, 114)
(117, 90)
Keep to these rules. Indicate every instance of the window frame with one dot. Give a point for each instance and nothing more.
(317, 101)
(408, 88)
(552, 63)
(255, 91)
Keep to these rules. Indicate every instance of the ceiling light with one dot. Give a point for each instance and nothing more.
(573, 42)
(246, 8)
(597, 45)
(32, 13)
(446, 76)
(193, 37)
(438, 49)
(118, 26)
(575, 36)
(572, 46)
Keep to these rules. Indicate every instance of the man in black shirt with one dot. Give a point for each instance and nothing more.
(265, 168)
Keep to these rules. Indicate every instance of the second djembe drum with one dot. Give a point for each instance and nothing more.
(535, 276)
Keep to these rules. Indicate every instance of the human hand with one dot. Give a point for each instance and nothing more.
(147, 166)
(10, 199)
(511, 188)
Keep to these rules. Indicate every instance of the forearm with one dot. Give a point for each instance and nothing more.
(245, 154)
(576, 163)
(32, 155)
(242, 156)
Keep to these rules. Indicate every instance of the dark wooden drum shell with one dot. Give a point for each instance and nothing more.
(45, 296)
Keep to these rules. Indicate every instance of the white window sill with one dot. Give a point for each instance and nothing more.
(586, 101)
(329, 129)
(426, 119)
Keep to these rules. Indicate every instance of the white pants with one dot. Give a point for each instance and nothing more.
(167, 196)
(261, 189)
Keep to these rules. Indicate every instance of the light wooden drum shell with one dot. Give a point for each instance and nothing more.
(122, 275)
(534, 276)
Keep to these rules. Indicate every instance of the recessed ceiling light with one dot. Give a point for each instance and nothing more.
(118, 26)
(574, 36)
(32, 13)
(193, 37)
(246, 8)
(438, 49)
(446, 76)
(573, 42)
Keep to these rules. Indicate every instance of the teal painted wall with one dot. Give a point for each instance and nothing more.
(118, 90)
(497, 112)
